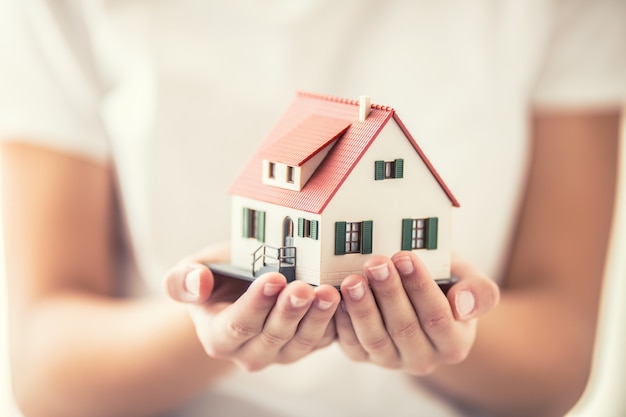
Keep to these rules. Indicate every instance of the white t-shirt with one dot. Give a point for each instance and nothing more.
(179, 94)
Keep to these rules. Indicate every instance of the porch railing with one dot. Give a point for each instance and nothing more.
(266, 257)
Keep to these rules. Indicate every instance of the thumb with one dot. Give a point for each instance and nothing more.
(191, 283)
(473, 297)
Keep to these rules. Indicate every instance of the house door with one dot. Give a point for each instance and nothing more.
(288, 239)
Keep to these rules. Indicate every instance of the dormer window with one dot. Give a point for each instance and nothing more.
(282, 175)
(292, 159)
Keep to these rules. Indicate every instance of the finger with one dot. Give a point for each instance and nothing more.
(191, 283)
(346, 336)
(474, 295)
(279, 327)
(330, 334)
(398, 314)
(243, 319)
(313, 326)
(367, 322)
(432, 307)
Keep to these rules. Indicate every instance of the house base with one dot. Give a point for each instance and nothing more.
(230, 271)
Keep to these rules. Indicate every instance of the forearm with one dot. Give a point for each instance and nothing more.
(533, 352)
(531, 357)
(76, 354)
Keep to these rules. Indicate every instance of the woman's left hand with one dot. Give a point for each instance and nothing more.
(398, 317)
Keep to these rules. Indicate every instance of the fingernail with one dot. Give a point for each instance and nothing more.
(356, 291)
(271, 289)
(324, 305)
(404, 265)
(192, 282)
(465, 303)
(379, 272)
(297, 302)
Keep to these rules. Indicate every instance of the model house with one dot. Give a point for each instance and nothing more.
(335, 181)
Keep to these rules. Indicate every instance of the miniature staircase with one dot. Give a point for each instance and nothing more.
(270, 259)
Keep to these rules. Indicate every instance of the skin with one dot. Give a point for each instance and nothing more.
(543, 329)
(67, 324)
(397, 317)
(257, 325)
(532, 354)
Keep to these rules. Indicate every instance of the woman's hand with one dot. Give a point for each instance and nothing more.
(257, 324)
(397, 316)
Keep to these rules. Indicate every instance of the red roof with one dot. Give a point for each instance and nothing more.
(305, 140)
(321, 119)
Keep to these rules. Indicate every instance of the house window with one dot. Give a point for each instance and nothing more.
(254, 224)
(388, 169)
(290, 174)
(307, 228)
(418, 229)
(353, 237)
(419, 233)
(271, 171)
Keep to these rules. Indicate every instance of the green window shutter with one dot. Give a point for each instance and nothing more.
(300, 227)
(366, 236)
(245, 224)
(340, 238)
(379, 170)
(407, 231)
(431, 231)
(260, 226)
(399, 164)
(314, 229)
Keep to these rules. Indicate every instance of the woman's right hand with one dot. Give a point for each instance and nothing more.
(252, 324)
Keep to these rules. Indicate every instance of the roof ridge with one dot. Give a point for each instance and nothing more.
(342, 100)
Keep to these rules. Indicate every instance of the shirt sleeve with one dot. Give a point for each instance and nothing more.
(585, 61)
(50, 94)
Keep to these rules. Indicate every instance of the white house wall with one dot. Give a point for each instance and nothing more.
(307, 252)
(386, 202)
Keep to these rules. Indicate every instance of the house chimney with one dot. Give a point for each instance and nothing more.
(365, 105)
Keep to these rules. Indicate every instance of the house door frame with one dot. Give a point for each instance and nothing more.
(288, 240)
